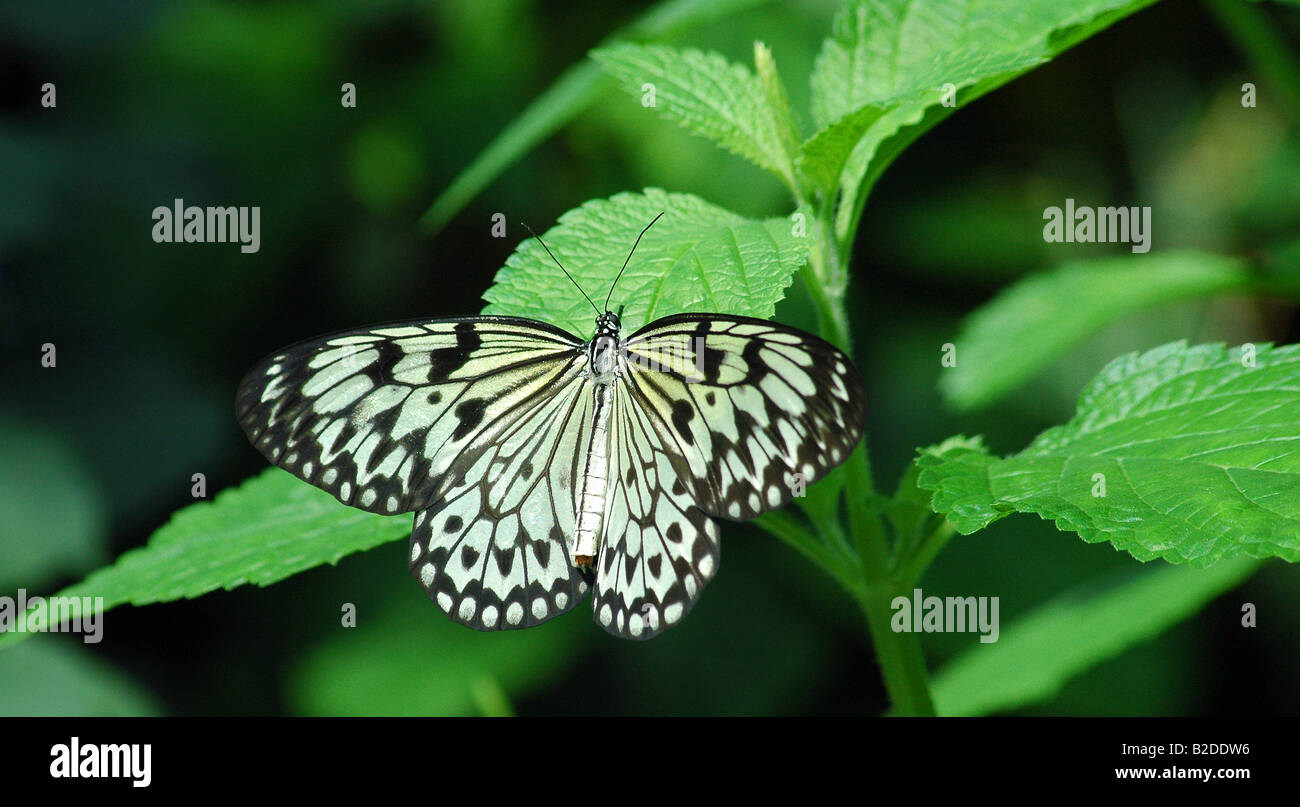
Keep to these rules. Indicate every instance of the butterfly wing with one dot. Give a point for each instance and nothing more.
(659, 548)
(388, 418)
(474, 423)
(494, 552)
(748, 408)
(715, 417)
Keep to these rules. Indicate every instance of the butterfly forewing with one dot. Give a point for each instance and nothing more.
(751, 411)
(387, 419)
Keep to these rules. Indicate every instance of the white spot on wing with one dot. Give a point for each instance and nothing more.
(467, 608)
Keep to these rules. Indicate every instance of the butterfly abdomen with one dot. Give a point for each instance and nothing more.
(591, 492)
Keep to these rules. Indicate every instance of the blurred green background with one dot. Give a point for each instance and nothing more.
(237, 103)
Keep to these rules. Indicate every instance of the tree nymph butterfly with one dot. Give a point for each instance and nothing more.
(540, 465)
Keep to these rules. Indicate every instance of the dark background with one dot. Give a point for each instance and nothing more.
(232, 103)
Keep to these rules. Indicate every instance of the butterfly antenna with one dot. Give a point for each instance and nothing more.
(629, 257)
(557, 263)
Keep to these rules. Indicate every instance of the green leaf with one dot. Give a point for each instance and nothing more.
(698, 257)
(777, 100)
(1039, 318)
(408, 659)
(51, 677)
(910, 117)
(955, 474)
(707, 94)
(1035, 656)
(900, 53)
(823, 156)
(883, 50)
(270, 527)
(1191, 454)
(909, 511)
(574, 91)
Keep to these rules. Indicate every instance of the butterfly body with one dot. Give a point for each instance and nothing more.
(540, 466)
(603, 349)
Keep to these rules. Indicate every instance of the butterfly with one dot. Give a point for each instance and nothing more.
(540, 465)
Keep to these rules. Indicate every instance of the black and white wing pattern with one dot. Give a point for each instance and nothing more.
(660, 548)
(751, 409)
(476, 424)
(501, 434)
(716, 416)
(494, 551)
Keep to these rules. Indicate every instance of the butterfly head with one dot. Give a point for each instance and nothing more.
(608, 324)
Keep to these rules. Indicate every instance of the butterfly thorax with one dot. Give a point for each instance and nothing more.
(602, 368)
(602, 350)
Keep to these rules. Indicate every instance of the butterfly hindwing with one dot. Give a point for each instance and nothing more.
(660, 548)
(494, 552)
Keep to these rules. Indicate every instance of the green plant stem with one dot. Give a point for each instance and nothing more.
(825, 277)
(914, 563)
(902, 664)
(836, 563)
